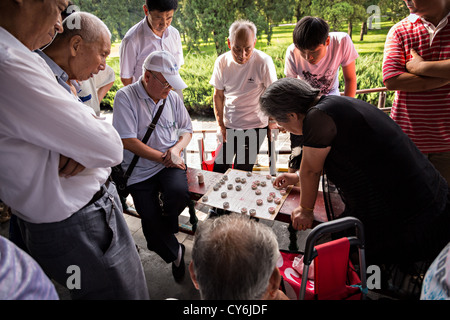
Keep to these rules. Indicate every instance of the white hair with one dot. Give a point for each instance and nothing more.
(239, 24)
(85, 24)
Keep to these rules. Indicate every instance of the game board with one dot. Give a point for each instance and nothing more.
(258, 205)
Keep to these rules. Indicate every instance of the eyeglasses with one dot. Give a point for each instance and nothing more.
(165, 85)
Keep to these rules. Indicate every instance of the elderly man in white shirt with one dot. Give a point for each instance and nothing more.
(70, 222)
(153, 33)
(239, 78)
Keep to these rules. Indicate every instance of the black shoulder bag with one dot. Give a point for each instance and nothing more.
(118, 176)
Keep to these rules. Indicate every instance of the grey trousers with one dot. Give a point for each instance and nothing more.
(92, 252)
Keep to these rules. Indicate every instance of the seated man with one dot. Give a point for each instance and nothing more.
(235, 258)
(160, 168)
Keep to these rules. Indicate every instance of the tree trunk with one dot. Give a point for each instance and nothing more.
(350, 29)
(363, 28)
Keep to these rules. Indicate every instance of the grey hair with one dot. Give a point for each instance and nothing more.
(84, 24)
(234, 257)
(237, 25)
(287, 95)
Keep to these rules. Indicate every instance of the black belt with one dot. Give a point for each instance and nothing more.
(99, 194)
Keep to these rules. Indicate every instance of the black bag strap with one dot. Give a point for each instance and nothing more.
(150, 129)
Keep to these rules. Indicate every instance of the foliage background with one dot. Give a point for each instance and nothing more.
(203, 25)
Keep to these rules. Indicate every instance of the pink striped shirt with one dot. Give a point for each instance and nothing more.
(423, 116)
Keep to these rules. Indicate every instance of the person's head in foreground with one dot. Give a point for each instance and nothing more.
(287, 100)
(235, 258)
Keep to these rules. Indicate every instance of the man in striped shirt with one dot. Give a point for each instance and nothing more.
(422, 103)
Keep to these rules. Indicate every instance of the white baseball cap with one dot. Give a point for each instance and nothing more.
(164, 62)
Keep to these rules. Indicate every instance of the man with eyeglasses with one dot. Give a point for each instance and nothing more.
(153, 33)
(160, 172)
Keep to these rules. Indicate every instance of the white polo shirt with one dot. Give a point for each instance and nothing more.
(134, 111)
(243, 84)
(140, 41)
(39, 121)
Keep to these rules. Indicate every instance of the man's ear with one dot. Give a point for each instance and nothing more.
(193, 277)
(327, 43)
(75, 44)
(273, 285)
(145, 9)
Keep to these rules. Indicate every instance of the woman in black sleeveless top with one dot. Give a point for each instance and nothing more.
(384, 180)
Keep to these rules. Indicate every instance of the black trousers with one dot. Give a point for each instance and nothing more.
(160, 223)
(240, 150)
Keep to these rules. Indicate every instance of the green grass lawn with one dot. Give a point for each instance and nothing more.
(199, 64)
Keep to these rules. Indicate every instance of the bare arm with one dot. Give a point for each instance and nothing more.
(412, 83)
(310, 171)
(126, 81)
(219, 103)
(101, 93)
(172, 157)
(349, 73)
(142, 150)
(420, 67)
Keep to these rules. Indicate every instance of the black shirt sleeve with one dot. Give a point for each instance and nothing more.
(319, 129)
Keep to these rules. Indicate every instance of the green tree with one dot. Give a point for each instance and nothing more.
(118, 15)
(210, 19)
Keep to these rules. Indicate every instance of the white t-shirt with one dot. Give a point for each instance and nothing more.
(39, 121)
(140, 41)
(88, 89)
(325, 74)
(243, 84)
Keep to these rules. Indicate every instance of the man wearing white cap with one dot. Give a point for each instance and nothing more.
(160, 168)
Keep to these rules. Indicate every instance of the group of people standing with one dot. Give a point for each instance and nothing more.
(392, 175)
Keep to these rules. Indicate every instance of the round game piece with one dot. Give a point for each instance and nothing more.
(258, 192)
(272, 194)
(263, 183)
(230, 186)
(268, 177)
(252, 212)
(257, 182)
(283, 192)
(222, 181)
(205, 198)
(238, 179)
(200, 178)
(238, 188)
(249, 174)
(216, 187)
(254, 187)
(226, 205)
(225, 177)
(243, 180)
(259, 202)
(271, 210)
(223, 194)
(244, 210)
(277, 200)
(269, 199)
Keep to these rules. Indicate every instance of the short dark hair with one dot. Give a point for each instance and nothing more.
(310, 32)
(161, 5)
